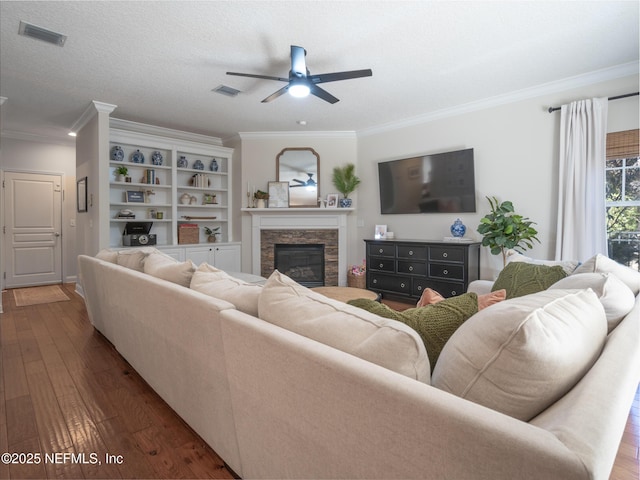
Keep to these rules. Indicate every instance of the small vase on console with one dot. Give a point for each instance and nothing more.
(458, 228)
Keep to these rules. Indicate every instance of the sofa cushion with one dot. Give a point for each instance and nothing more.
(163, 266)
(520, 278)
(219, 284)
(382, 341)
(521, 355)
(616, 298)
(601, 264)
(434, 323)
(107, 255)
(567, 265)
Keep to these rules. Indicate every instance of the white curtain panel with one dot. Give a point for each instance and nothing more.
(582, 230)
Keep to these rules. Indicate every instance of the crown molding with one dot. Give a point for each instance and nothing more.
(317, 134)
(32, 137)
(591, 78)
(130, 126)
(89, 112)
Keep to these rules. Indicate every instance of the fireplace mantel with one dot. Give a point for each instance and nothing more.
(300, 219)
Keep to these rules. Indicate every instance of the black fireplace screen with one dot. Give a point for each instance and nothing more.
(304, 263)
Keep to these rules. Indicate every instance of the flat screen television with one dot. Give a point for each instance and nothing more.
(438, 183)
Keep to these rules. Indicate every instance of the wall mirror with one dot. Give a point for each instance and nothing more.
(301, 168)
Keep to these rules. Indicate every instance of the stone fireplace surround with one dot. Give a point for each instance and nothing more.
(304, 225)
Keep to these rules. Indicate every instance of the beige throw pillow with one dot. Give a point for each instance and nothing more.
(616, 298)
(134, 258)
(382, 341)
(601, 264)
(219, 284)
(167, 268)
(522, 355)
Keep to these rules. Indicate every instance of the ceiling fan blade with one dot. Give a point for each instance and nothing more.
(299, 181)
(334, 77)
(323, 94)
(298, 64)
(252, 75)
(275, 95)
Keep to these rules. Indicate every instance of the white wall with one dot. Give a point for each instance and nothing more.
(258, 158)
(516, 157)
(41, 156)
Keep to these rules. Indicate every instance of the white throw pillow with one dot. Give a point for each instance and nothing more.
(219, 284)
(567, 265)
(134, 258)
(521, 355)
(107, 255)
(385, 342)
(616, 298)
(601, 264)
(168, 268)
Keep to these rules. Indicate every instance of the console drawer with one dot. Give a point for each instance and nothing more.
(382, 264)
(446, 253)
(415, 252)
(443, 270)
(446, 289)
(389, 283)
(382, 250)
(412, 268)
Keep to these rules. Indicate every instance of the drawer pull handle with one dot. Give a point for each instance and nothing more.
(410, 252)
(381, 265)
(445, 271)
(402, 285)
(445, 254)
(375, 280)
(411, 268)
(381, 250)
(454, 293)
(419, 288)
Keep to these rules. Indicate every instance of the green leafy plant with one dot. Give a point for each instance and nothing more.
(260, 195)
(212, 231)
(122, 170)
(345, 179)
(503, 229)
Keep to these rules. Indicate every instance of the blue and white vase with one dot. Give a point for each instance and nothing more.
(345, 202)
(117, 153)
(137, 157)
(214, 165)
(156, 158)
(458, 229)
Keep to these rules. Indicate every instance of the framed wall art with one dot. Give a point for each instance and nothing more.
(134, 196)
(81, 194)
(278, 194)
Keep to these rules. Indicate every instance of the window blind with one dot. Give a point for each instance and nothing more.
(623, 144)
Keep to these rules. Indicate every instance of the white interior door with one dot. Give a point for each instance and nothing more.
(32, 230)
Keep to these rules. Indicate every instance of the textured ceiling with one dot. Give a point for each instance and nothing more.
(159, 61)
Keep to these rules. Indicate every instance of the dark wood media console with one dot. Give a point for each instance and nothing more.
(404, 268)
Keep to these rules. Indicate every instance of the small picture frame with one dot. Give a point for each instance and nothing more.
(380, 232)
(81, 195)
(209, 199)
(278, 194)
(332, 200)
(135, 196)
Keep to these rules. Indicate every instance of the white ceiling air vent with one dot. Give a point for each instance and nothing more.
(225, 90)
(39, 33)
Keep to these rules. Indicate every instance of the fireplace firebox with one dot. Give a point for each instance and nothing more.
(304, 263)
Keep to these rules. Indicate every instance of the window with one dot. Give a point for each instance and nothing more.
(623, 197)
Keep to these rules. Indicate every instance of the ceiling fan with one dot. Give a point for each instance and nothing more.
(301, 83)
(309, 182)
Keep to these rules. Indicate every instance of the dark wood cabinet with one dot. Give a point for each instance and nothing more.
(404, 268)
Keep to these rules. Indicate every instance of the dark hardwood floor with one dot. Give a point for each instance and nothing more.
(69, 400)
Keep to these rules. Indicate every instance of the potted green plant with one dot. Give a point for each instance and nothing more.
(345, 181)
(212, 234)
(502, 229)
(121, 173)
(261, 197)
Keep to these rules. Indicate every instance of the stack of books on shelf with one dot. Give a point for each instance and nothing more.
(150, 176)
(200, 180)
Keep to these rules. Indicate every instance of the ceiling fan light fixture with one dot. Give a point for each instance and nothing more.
(299, 90)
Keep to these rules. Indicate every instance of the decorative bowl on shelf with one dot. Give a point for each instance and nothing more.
(117, 153)
(198, 165)
(156, 158)
(182, 162)
(137, 157)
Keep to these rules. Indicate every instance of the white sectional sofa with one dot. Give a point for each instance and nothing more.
(322, 389)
